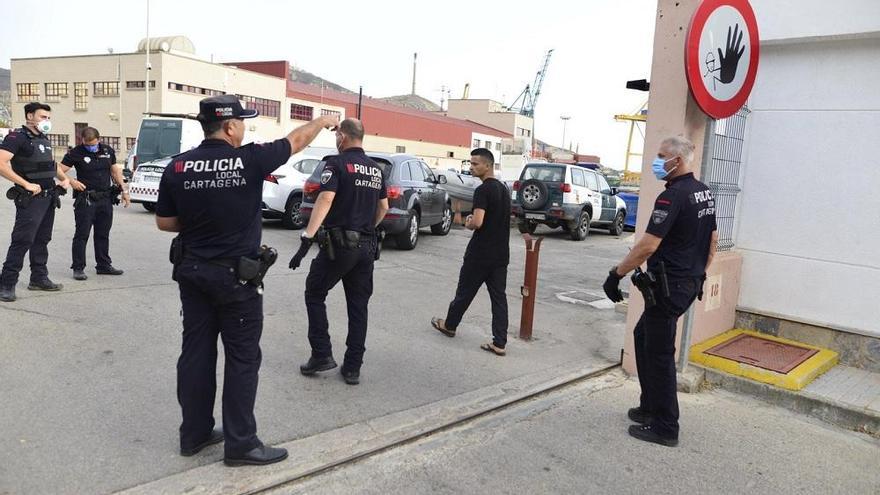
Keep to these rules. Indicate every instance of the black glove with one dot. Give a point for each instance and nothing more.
(305, 244)
(612, 286)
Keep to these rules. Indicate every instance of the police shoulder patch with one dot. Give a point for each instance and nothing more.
(326, 175)
(659, 216)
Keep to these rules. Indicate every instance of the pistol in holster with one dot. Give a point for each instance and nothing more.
(378, 239)
(57, 192)
(322, 238)
(252, 271)
(114, 193)
(645, 282)
(700, 290)
(80, 199)
(175, 256)
(20, 196)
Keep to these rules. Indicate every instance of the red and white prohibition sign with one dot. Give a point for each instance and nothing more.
(721, 55)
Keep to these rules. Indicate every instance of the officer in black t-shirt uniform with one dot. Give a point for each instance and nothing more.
(94, 196)
(26, 159)
(678, 244)
(487, 255)
(211, 195)
(352, 201)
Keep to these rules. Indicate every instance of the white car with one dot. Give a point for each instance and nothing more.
(144, 183)
(283, 188)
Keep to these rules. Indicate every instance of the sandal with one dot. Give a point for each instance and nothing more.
(435, 322)
(491, 347)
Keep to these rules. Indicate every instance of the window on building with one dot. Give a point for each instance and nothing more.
(129, 143)
(301, 112)
(28, 91)
(107, 88)
(325, 111)
(56, 91)
(111, 141)
(80, 96)
(138, 84)
(400, 149)
(61, 141)
(196, 90)
(267, 108)
(497, 146)
(476, 143)
(450, 154)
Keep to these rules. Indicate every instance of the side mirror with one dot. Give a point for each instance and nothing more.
(441, 179)
(614, 191)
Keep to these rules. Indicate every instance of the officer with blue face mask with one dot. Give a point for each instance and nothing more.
(27, 161)
(96, 189)
(678, 244)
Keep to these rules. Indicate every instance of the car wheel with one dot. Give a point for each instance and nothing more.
(526, 227)
(150, 207)
(292, 219)
(616, 227)
(580, 230)
(408, 239)
(533, 194)
(445, 225)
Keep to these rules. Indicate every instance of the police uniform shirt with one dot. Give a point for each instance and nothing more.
(359, 184)
(215, 191)
(684, 217)
(18, 142)
(92, 169)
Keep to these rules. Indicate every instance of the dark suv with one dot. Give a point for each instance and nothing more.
(414, 200)
(574, 197)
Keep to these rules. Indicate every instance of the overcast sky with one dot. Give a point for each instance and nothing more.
(496, 46)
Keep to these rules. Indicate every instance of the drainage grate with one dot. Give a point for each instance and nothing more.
(762, 353)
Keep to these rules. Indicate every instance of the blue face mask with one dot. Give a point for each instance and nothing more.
(91, 148)
(657, 167)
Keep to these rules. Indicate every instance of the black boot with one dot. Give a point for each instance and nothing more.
(259, 456)
(7, 294)
(317, 364)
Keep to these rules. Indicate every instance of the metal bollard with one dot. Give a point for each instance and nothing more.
(529, 290)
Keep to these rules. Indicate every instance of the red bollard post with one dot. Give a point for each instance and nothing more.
(529, 289)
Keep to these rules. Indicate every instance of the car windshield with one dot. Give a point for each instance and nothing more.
(544, 173)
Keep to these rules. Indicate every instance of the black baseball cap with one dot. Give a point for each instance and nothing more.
(223, 107)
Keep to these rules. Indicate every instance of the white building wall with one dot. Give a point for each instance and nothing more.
(809, 217)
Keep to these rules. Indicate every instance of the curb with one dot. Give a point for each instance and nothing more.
(324, 451)
(801, 402)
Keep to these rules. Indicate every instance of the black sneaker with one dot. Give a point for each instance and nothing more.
(317, 364)
(647, 433)
(109, 271)
(7, 294)
(216, 436)
(639, 415)
(351, 377)
(259, 456)
(79, 275)
(46, 285)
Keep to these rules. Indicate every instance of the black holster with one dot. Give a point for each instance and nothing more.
(378, 239)
(57, 192)
(20, 196)
(345, 239)
(322, 237)
(175, 256)
(645, 282)
(252, 271)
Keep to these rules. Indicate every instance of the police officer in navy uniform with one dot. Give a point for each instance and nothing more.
(351, 203)
(96, 172)
(211, 195)
(26, 159)
(678, 244)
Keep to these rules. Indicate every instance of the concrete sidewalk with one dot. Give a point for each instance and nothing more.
(87, 375)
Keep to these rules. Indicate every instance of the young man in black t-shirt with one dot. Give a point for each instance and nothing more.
(487, 254)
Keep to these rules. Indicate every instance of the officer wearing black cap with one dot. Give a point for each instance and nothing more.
(352, 201)
(96, 188)
(678, 244)
(211, 195)
(26, 159)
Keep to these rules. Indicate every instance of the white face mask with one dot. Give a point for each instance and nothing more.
(44, 126)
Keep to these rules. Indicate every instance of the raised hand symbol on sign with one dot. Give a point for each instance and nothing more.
(733, 51)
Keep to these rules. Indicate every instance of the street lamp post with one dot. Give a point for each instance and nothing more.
(565, 119)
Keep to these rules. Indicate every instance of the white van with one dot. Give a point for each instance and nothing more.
(160, 137)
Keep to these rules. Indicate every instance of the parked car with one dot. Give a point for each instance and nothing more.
(572, 197)
(283, 188)
(414, 199)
